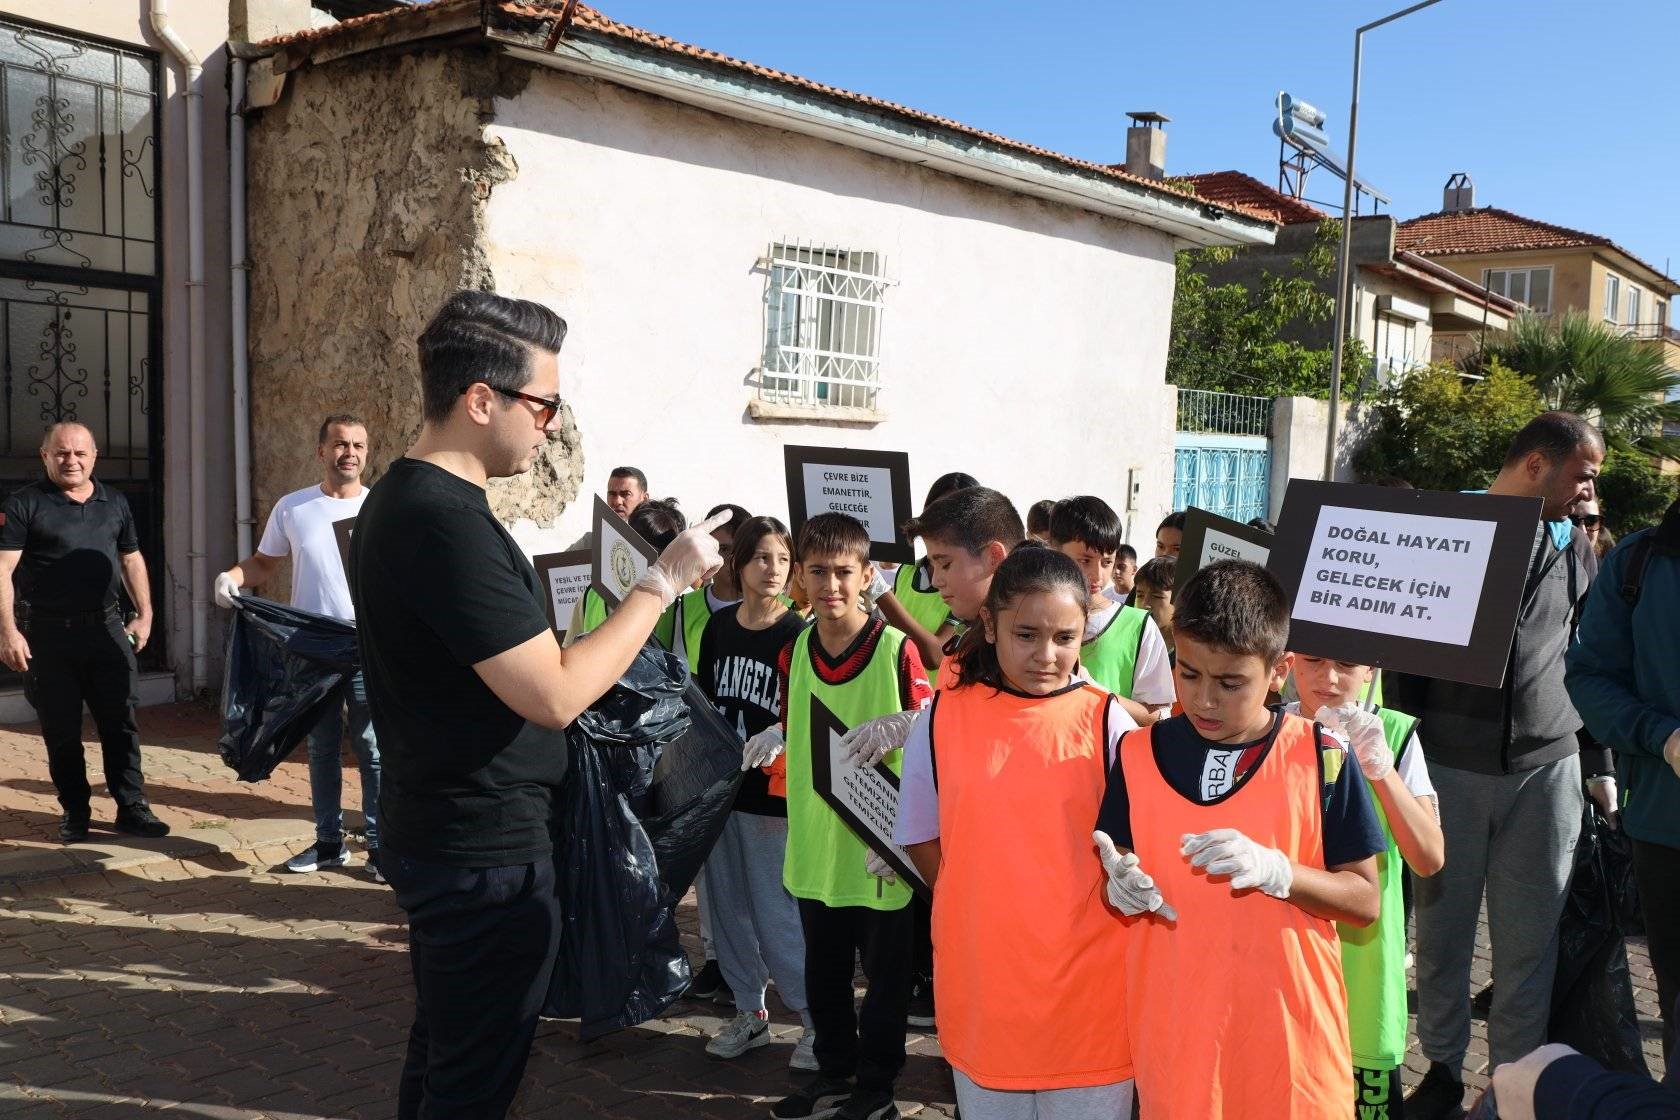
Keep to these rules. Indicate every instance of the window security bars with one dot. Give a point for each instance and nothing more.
(822, 326)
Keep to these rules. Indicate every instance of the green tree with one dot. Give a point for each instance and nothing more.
(1583, 365)
(1631, 492)
(1234, 339)
(1441, 431)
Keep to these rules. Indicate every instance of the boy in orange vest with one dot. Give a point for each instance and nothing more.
(1253, 829)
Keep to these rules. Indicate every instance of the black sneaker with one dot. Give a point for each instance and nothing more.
(868, 1104)
(708, 984)
(139, 820)
(1439, 1096)
(820, 1097)
(921, 1004)
(73, 829)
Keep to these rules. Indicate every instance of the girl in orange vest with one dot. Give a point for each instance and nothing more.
(1000, 780)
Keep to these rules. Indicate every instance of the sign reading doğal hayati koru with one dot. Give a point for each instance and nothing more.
(866, 799)
(872, 486)
(1414, 580)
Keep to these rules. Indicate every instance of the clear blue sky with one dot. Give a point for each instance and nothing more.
(1562, 110)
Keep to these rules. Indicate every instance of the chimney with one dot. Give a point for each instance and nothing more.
(1459, 193)
(1146, 145)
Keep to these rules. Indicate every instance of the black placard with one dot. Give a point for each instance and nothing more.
(619, 556)
(1465, 571)
(555, 565)
(1209, 538)
(872, 486)
(341, 533)
(880, 782)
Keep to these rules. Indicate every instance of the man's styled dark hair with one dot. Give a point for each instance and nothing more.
(737, 517)
(1172, 521)
(1160, 573)
(657, 521)
(1031, 569)
(481, 336)
(750, 534)
(345, 418)
(949, 484)
(833, 534)
(1124, 553)
(1038, 517)
(629, 472)
(970, 519)
(1086, 519)
(1236, 607)
(1556, 435)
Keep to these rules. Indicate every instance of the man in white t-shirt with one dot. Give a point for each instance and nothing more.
(306, 525)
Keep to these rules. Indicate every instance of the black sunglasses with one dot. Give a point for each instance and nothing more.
(550, 406)
(1587, 520)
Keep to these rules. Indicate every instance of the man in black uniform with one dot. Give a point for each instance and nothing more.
(68, 540)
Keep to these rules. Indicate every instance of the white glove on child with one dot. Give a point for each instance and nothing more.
(762, 749)
(878, 587)
(878, 867)
(692, 557)
(1130, 890)
(1364, 734)
(1225, 851)
(868, 743)
(226, 590)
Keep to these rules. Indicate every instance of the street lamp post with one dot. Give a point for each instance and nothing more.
(1339, 332)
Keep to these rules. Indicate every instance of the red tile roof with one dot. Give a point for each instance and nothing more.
(1488, 229)
(1233, 188)
(589, 19)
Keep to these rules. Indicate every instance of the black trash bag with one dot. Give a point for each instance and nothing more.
(652, 778)
(284, 667)
(1592, 994)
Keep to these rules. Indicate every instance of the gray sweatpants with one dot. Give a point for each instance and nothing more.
(1514, 835)
(755, 922)
(1099, 1102)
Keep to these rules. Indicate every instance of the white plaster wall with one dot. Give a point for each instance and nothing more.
(1300, 428)
(1024, 342)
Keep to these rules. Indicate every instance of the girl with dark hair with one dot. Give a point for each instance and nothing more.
(1016, 730)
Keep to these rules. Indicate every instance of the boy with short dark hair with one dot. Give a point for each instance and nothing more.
(1235, 837)
(861, 669)
(1153, 592)
(1038, 519)
(1123, 650)
(1125, 573)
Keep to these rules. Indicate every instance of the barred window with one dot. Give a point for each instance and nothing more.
(822, 326)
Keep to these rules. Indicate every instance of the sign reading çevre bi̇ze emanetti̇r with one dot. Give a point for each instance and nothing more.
(1414, 580)
(872, 486)
(866, 798)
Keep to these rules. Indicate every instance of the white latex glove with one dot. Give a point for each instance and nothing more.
(1130, 890)
(1671, 753)
(868, 743)
(1603, 792)
(878, 867)
(1225, 851)
(226, 590)
(1514, 1082)
(692, 557)
(878, 587)
(1364, 734)
(762, 749)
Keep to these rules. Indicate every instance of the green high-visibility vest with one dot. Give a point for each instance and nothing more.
(926, 607)
(1111, 657)
(696, 610)
(1374, 957)
(825, 859)
(595, 612)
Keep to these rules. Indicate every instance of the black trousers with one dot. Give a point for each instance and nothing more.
(91, 663)
(868, 1043)
(1656, 868)
(481, 942)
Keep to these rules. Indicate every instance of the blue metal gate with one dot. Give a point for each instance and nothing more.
(1222, 454)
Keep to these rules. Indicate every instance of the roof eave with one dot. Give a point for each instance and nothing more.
(744, 97)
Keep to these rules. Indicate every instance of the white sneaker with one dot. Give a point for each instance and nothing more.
(747, 1031)
(317, 856)
(805, 1053)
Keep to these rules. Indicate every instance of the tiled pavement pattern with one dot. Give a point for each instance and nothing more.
(195, 982)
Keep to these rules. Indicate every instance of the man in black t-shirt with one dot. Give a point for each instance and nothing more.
(470, 693)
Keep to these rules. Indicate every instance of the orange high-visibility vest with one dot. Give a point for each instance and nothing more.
(1237, 1009)
(1028, 959)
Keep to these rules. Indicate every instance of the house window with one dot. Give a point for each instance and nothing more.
(1612, 296)
(1397, 347)
(1532, 286)
(1633, 297)
(822, 326)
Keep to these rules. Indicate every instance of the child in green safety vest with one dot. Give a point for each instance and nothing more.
(1374, 957)
(861, 669)
(908, 599)
(695, 607)
(1123, 650)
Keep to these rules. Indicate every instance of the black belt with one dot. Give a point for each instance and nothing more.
(71, 619)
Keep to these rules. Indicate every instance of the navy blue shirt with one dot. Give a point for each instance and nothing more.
(71, 550)
(1351, 829)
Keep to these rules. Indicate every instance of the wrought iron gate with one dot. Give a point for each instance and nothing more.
(80, 330)
(1222, 454)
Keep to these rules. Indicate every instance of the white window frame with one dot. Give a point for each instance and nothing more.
(1612, 296)
(1503, 286)
(1634, 297)
(823, 307)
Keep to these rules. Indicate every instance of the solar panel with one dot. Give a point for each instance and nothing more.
(1301, 125)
